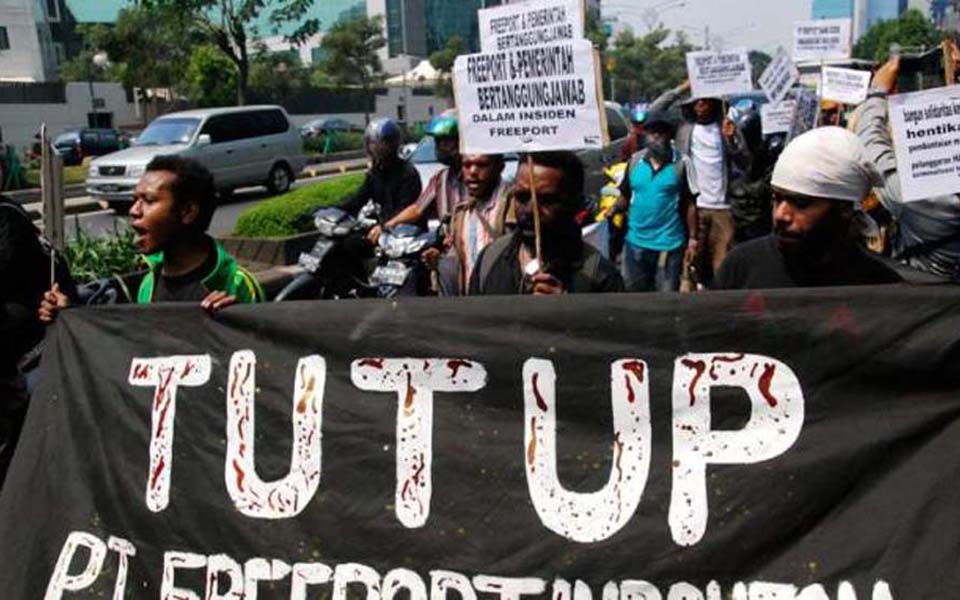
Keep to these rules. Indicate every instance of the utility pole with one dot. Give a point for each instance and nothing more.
(706, 37)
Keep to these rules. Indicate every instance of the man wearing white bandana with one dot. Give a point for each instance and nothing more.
(818, 182)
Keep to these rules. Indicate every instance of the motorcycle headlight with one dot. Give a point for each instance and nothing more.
(393, 247)
(416, 245)
(325, 227)
(342, 230)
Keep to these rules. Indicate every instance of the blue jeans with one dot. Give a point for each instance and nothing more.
(640, 267)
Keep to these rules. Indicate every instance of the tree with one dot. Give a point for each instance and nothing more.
(277, 75)
(231, 25)
(148, 47)
(645, 67)
(211, 78)
(911, 30)
(350, 48)
(442, 61)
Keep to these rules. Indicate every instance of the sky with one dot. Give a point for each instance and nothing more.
(757, 24)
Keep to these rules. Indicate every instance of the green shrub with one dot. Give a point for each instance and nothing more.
(290, 213)
(340, 141)
(71, 175)
(93, 257)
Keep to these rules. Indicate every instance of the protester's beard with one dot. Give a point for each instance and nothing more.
(560, 239)
(812, 246)
(525, 226)
(660, 150)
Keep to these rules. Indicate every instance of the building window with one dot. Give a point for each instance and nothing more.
(395, 32)
(4, 40)
(60, 52)
(53, 10)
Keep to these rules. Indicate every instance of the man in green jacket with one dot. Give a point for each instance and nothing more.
(173, 205)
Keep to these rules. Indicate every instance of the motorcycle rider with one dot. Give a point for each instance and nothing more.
(445, 189)
(391, 182)
(749, 188)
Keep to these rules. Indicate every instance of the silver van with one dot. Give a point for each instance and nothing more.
(242, 146)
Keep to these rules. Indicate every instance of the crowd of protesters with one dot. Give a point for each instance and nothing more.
(709, 203)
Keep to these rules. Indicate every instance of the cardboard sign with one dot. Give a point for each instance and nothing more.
(530, 99)
(807, 113)
(778, 118)
(529, 24)
(779, 76)
(926, 134)
(718, 74)
(847, 86)
(821, 40)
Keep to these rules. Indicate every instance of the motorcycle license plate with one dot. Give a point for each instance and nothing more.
(392, 273)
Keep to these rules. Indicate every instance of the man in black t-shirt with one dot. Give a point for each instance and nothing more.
(510, 266)
(817, 183)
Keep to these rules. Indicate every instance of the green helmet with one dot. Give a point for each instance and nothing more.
(444, 125)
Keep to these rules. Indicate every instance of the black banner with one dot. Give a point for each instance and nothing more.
(776, 445)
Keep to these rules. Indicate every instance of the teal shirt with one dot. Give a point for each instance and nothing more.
(654, 221)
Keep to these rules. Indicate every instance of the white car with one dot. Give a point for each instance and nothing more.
(242, 146)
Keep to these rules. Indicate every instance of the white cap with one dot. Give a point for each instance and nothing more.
(827, 162)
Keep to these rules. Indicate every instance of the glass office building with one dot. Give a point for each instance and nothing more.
(421, 27)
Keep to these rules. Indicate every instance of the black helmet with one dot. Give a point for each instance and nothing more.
(745, 114)
(384, 131)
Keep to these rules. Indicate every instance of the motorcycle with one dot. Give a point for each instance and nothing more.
(332, 269)
(603, 228)
(401, 271)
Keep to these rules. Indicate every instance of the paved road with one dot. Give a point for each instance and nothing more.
(102, 222)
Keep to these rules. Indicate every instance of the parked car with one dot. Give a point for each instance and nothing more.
(242, 146)
(74, 145)
(317, 127)
(424, 156)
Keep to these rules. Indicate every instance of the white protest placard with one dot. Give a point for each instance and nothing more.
(718, 74)
(779, 76)
(847, 86)
(778, 118)
(530, 99)
(926, 136)
(528, 24)
(825, 39)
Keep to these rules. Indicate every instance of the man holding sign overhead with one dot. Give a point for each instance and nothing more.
(712, 146)
(927, 236)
